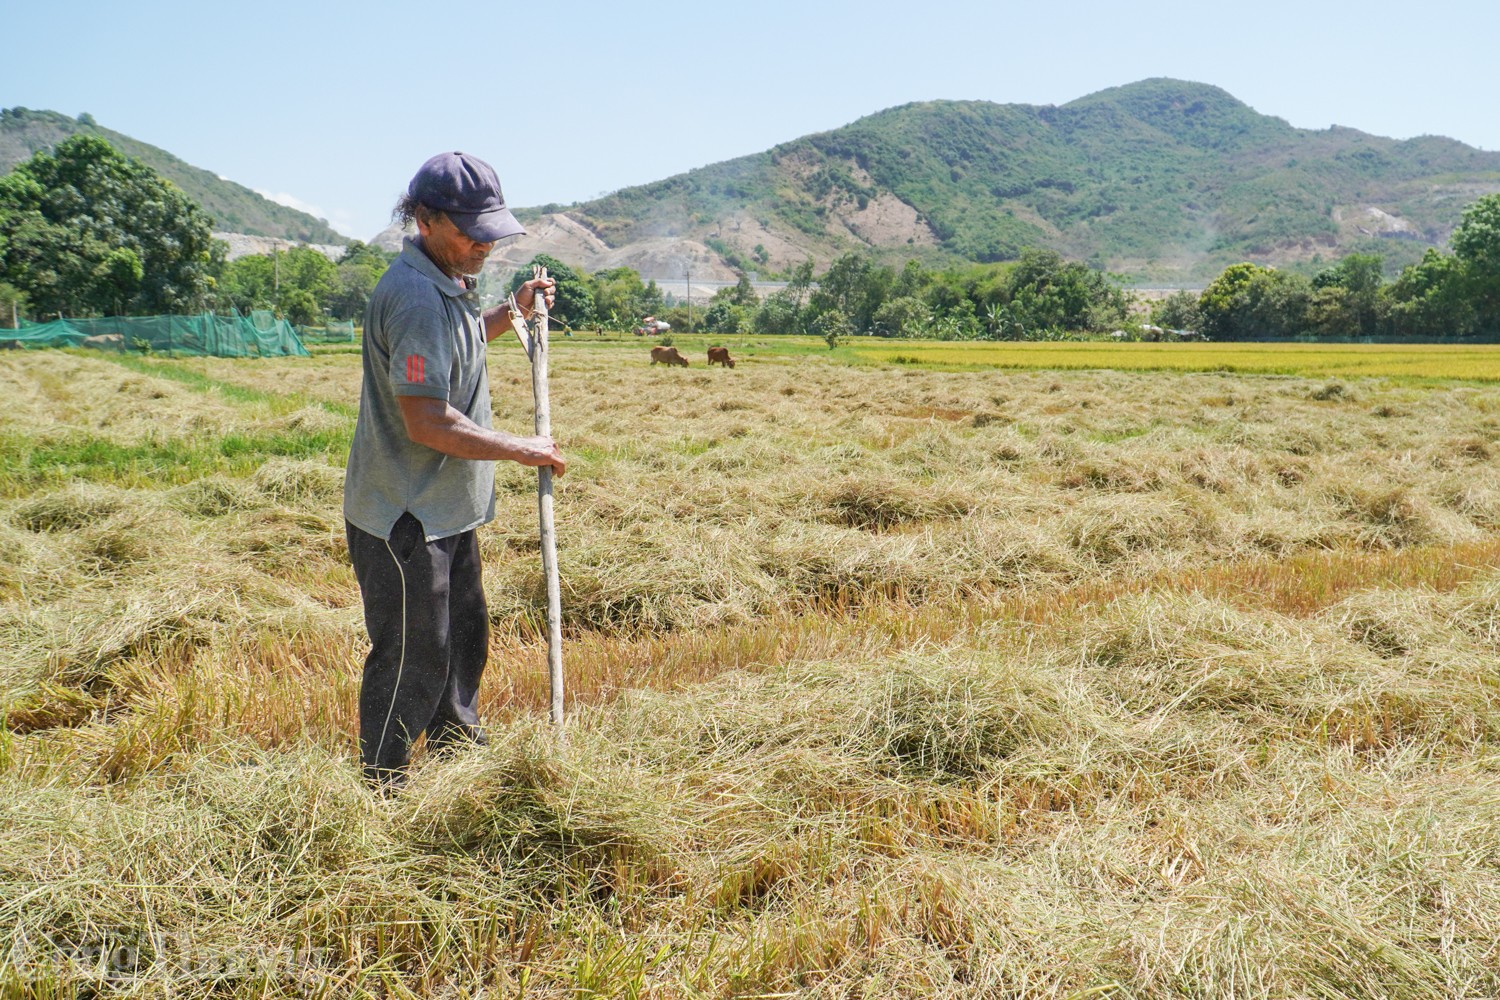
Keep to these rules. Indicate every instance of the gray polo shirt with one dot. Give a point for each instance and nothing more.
(424, 336)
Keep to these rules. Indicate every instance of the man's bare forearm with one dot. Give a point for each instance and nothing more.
(462, 438)
(437, 425)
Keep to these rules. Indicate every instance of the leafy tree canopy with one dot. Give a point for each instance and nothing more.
(86, 231)
(1476, 241)
(1247, 301)
(724, 316)
(1178, 311)
(300, 285)
(574, 305)
(358, 272)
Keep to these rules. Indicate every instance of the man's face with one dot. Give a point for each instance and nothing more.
(452, 251)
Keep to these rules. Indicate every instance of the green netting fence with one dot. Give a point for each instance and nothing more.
(335, 331)
(234, 336)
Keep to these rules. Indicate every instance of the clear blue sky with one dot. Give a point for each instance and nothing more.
(333, 105)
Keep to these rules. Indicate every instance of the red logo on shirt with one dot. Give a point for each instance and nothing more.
(416, 368)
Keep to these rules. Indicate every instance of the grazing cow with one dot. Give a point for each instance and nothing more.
(720, 356)
(667, 356)
(105, 342)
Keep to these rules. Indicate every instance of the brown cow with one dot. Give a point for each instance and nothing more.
(720, 356)
(667, 356)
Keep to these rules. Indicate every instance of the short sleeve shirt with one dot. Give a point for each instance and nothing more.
(424, 336)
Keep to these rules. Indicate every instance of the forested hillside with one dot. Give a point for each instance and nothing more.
(1157, 179)
(232, 207)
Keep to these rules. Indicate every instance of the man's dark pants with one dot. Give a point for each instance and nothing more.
(429, 635)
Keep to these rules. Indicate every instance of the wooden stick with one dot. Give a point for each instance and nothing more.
(538, 352)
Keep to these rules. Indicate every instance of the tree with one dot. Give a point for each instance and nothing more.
(779, 313)
(855, 287)
(1246, 302)
(574, 305)
(1476, 245)
(651, 298)
(300, 307)
(1476, 241)
(1178, 311)
(958, 322)
(297, 284)
(907, 316)
(85, 230)
(724, 316)
(1429, 298)
(1331, 312)
(800, 282)
(247, 283)
(119, 277)
(617, 297)
(1000, 322)
(843, 286)
(303, 269)
(359, 270)
(912, 281)
(833, 326)
(743, 293)
(1457, 294)
(1049, 293)
(1346, 297)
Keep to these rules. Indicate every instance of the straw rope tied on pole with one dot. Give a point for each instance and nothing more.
(534, 343)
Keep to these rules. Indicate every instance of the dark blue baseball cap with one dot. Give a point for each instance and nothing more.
(465, 189)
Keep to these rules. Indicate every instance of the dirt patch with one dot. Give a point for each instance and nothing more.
(887, 221)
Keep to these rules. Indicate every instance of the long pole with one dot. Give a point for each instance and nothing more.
(544, 505)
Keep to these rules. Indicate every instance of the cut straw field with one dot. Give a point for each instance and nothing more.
(884, 681)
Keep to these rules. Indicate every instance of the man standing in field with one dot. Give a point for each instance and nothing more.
(421, 477)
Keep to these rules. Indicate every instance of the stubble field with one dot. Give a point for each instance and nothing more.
(884, 681)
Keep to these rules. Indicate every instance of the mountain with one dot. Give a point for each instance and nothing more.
(1161, 180)
(233, 207)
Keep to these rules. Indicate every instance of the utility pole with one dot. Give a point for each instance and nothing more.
(690, 295)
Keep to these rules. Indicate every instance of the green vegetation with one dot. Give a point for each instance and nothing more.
(1041, 296)
(86, 231)
(1459, 293)
(574, 305)
(301, 284)
(1161, 178)
(614, 299)
(1444, 295)
(883, 681)
(231, 207)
